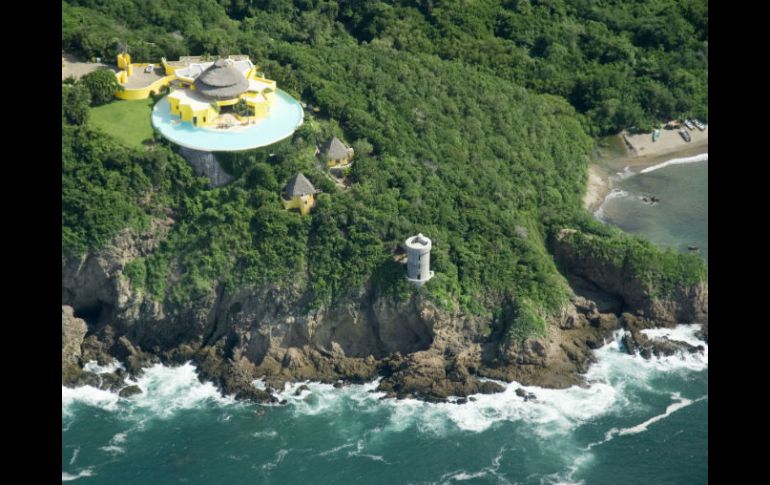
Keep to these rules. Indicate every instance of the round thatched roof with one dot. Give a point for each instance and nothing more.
(221, 81)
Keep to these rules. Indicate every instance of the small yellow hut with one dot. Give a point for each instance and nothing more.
(299, 194)
(336, 153)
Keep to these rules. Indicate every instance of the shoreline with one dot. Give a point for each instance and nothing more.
(600, 170)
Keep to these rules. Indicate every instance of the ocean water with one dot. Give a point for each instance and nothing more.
(679, 219)
(640, 422)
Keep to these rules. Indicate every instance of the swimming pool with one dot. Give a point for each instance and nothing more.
(285, 117)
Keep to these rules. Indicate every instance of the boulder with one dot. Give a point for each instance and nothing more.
(130, 391)
(73, 331)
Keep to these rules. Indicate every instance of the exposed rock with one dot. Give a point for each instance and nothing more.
(267, 332)
(593, 344)
(527, 396)
(206, 164)
(95, 349)
(88, 379)
(686, 304)
(135, 359)
(490, 387)
(73, 331)
(301, 389)
(628, 344)
(660, 346)
(130, 391)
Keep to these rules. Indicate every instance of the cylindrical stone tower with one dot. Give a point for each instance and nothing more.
(418, 259)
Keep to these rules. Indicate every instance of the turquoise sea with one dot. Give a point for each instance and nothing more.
(640, 422)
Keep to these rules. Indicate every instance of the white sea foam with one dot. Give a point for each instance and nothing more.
(359, 452)
(321, 398)
(463, 475)
(265, 434)
(336, 449)
(680, 403)
(613, 194)
(74, 455)
(683, 333)
(68, 477)
(625, 174)
(279, 456)
(703, 157)
(555, 412)
(260, 384)
(113, 447)
(165, 390)
(93, 366)
(88, 395)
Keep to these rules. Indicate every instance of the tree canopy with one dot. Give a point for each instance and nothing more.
(470, 121)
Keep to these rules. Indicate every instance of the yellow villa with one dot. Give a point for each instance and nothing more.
(210, 91)
(224, 92)
(299, 194)
(337, 154)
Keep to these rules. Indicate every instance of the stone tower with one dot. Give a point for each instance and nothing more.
(418, 259)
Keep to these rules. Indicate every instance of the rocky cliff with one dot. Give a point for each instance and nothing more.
(419, 350)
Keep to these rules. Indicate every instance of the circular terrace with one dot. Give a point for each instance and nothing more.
(284, 117)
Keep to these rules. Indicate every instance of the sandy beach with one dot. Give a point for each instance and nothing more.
(639, 152)
(670, 141)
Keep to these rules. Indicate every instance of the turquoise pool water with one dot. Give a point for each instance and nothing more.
(285, 117)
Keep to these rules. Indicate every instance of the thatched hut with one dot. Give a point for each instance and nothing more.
(221, 81)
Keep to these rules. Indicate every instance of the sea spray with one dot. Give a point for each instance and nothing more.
(703, 157)
(343, 433)
(165, 390)
(613, 194)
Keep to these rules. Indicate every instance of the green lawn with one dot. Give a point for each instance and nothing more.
(128, 121)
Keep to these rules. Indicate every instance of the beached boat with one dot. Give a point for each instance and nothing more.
(655, 134)
(689, 124)
(685, 135)
(700, 125)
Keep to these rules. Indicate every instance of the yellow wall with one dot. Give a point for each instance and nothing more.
(304, 203)
(168, 68)
(124, 60)
(341, 161)
(142, 93)
(205, 117)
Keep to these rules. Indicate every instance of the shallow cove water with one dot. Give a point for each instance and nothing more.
(640, 422)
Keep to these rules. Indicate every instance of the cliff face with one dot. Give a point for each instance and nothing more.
(617, 288)
(420, 350)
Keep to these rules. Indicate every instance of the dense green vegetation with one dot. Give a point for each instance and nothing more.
(664, 270)
(619, 63)
(463, 117)
(127, 121)
(102, 85)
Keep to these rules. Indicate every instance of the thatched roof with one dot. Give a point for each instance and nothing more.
(334, 149)
(221, 81)
(299, 186)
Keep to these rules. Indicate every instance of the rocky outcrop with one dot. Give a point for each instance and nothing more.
(206, 164)
(73, 330)
(418, 349)
(634, 341)
(615, 288)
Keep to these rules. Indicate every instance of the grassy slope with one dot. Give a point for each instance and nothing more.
(128, 121)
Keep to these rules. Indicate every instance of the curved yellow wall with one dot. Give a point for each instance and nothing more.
(143, 93)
